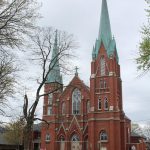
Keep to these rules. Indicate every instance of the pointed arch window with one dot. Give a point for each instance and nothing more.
(102, 66)
(88, 106)
(76, 101)
(63, 108)
(106, 106)
(75, 137)
(62, 138)
(101, 84)
(133, 148)
(105, 84)
(99, 104)
(49, 110)
(50, 99)
(62, 142)
(103, 136)
(47, 137)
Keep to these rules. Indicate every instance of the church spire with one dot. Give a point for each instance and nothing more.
(105, 28)
(105, 35)
(54, 75)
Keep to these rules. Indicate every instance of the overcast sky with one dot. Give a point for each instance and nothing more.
(81, 18)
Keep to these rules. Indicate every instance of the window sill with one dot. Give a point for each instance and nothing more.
(49, 104)
(103, 141)
(106, 109)
(47, 141)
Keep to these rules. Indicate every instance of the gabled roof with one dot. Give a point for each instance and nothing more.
(61, 127)
(76, 81)
(74, 123)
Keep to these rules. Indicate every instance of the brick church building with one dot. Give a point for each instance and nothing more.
(88, 118)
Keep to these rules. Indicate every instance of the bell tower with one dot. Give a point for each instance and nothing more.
(54, 86)
(106, 90)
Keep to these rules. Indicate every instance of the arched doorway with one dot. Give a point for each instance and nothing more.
(133, 148)
(103, 137)
(62, 143)
(75, 142)
(86, 143)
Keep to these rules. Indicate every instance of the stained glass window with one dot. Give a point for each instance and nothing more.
(76, 101)
(62, 138)
(102, 66)
(99, 104)
(75, 138)
(47, 137)
(105, 84)
(106, 103)
(49, 111)
(133, 148)
(103, 136)
(50, 99)
(101, 84)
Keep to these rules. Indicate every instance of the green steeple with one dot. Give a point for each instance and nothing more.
(54, 75)
(105, 35)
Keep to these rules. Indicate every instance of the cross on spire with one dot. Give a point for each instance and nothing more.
(76, 71)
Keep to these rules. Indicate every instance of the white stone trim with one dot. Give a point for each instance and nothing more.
(92, 76)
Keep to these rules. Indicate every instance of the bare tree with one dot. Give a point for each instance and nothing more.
(135, 128)
(7, 79)
(146, 131)
(17, 19)
(45, 41)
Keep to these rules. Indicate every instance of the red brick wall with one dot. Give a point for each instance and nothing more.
(90, 124)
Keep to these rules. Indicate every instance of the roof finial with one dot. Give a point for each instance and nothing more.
(76, 69)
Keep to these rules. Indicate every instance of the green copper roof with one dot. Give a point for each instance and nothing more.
(105, 29)
(105, 35)
(54, 75)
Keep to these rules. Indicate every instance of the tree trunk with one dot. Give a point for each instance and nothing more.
(27, 141)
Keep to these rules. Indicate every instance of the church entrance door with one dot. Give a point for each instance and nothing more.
(86, 145)
(75, 144)
(103, 148)
(62, 145)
